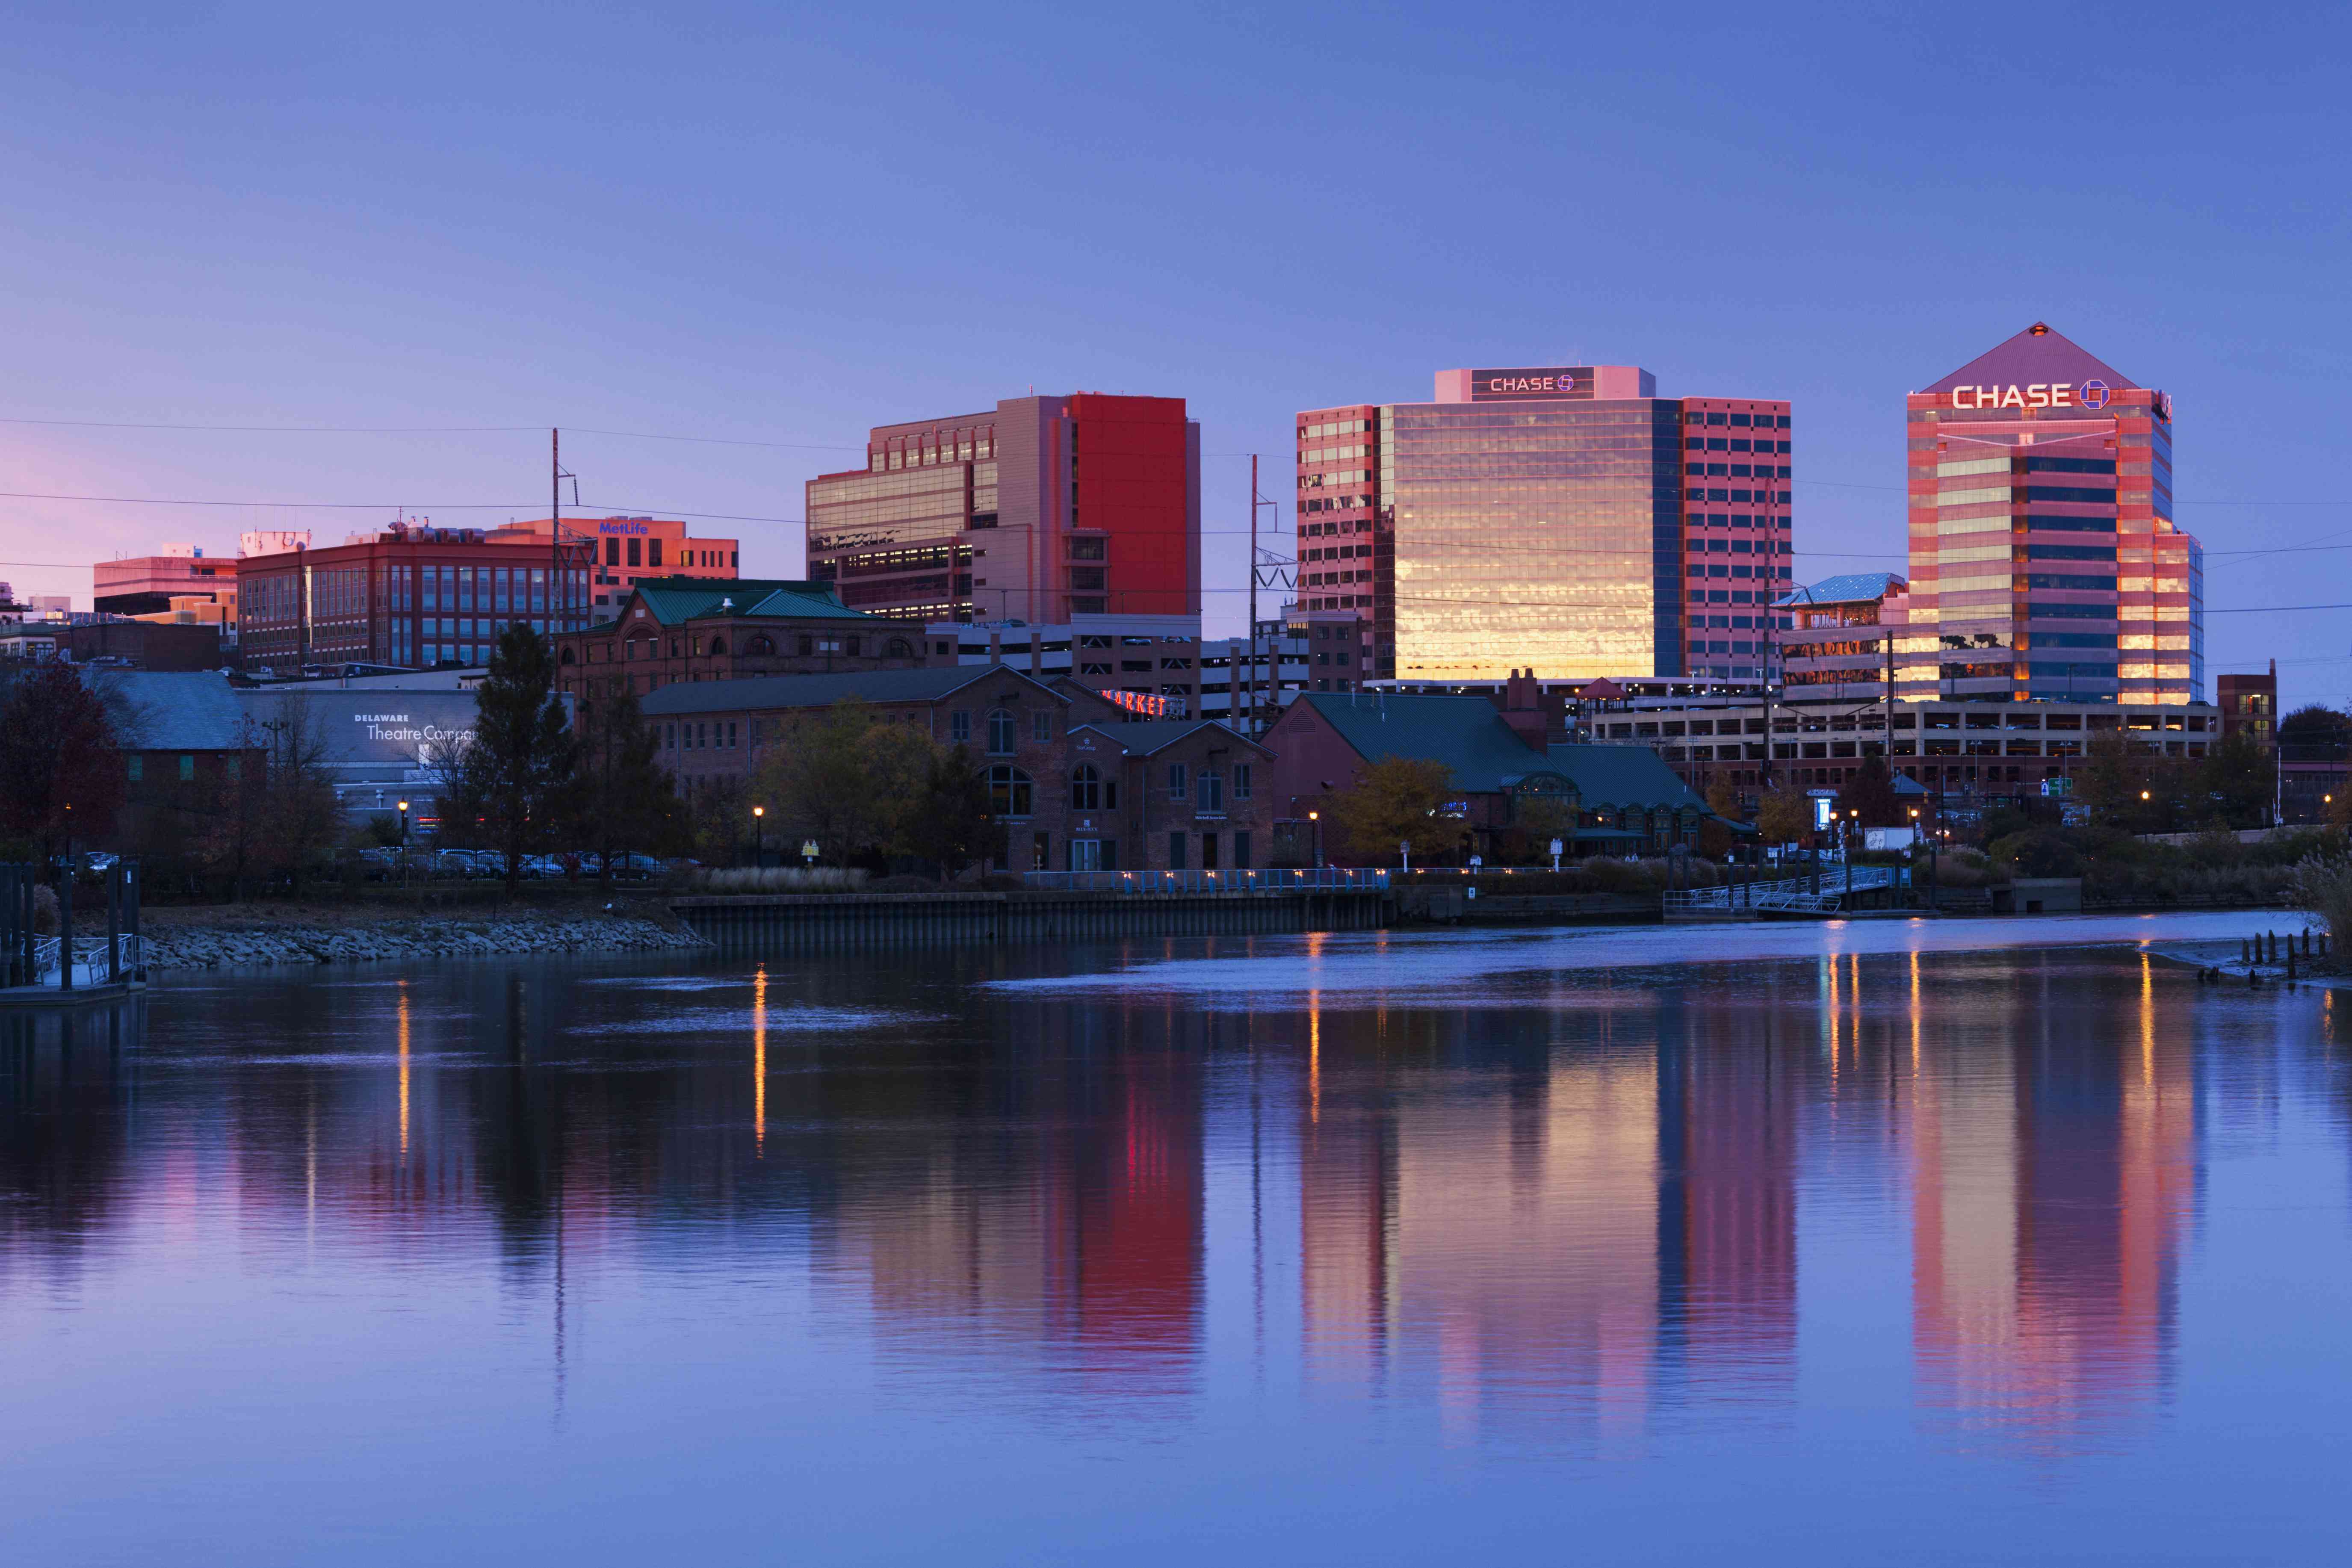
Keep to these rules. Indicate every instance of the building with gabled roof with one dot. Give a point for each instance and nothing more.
(1497, 762)
(673, 630)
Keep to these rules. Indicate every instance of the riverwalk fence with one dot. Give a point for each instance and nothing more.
(29, 960)
(759, 922)
(1822, 891)
(1245, 881)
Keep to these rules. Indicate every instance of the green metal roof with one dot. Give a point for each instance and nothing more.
(1149, 735)
(674, 599)
(1466, 733)
(1623, 778)
(822, 690)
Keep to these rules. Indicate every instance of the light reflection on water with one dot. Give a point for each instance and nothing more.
(1843, 1242)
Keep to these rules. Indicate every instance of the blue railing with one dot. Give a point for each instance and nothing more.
(1332, 878)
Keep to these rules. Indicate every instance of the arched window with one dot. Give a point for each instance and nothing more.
(762, 644)
(1010, 792)
(719, 645)
(898, 647)
(1086, 788)
(567, 657)
(1000, 731)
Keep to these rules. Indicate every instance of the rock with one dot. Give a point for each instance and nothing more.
(197, 947)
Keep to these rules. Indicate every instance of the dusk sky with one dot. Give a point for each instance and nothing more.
(776, 227)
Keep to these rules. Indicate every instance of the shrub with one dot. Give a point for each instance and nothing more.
(783, 880)
(2323, 885)
(2034, 853)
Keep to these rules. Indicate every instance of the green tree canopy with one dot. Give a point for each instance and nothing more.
(1394, 800)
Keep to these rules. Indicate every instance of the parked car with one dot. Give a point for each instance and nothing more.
(635, 867)
(541, 868)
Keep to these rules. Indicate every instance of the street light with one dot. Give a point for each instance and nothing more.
(1315, 830)
(759, 836)
(404, 843)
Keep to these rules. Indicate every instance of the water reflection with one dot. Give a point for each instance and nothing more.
(1573, 1208)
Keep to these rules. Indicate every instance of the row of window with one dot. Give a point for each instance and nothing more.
(1739, 421)
(1717, 444)
(1737, 497)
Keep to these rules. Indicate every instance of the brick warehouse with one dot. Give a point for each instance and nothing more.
(1076, 788)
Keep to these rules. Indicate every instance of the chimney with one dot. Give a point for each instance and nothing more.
(1522, 708)
(995, 648)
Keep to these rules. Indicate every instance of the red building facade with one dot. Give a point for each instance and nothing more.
(1043, 509)
(410, 597)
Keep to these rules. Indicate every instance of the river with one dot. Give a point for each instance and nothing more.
(1882, 1241)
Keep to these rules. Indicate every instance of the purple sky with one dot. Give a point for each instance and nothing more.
(762, 226)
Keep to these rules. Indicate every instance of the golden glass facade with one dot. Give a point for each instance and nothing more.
(1541, 535)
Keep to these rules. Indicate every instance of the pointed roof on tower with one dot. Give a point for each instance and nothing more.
(2039, 353)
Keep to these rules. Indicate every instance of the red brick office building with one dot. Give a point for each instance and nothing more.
(1043, 508)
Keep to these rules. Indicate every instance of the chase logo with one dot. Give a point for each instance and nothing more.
(2095, 393)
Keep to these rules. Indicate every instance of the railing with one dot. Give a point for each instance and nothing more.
(1330, 878)
(93, 966)
(1816, 894)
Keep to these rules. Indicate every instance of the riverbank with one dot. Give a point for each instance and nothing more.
(219, 936)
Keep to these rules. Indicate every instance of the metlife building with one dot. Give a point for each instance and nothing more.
(2045, 562)
(1560, 518)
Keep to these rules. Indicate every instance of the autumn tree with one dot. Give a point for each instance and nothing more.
(848, 779)
(1784, 817)
(1536, 821)
(61, 766)
(1394, 800)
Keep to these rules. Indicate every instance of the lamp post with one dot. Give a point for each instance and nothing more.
(1853, 819)
(404, 843)
(759, 835)
(1314, 831)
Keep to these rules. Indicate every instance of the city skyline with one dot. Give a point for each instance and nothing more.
(209, 239)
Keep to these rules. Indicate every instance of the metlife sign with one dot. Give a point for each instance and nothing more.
(1539, 383)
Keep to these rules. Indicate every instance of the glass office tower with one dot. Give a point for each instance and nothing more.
(1560, 518)
(2045, 559)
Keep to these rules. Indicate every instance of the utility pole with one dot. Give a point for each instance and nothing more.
(559, 591)
(1252, 729)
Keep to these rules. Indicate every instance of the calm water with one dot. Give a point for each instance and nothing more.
(1818, 1248)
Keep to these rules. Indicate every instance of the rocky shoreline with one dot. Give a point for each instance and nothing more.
(268, 939)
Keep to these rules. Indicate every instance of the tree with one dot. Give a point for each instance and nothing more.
(2235, 781)
(1871, 792)
(61, 767)
(1785, 817)
(950, 825)
(1536, 821)
(1395, 801)
(515, 769)
(848, 780)
(288, 816)
(2316, 734)
(621, 798)
(2108, 786)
